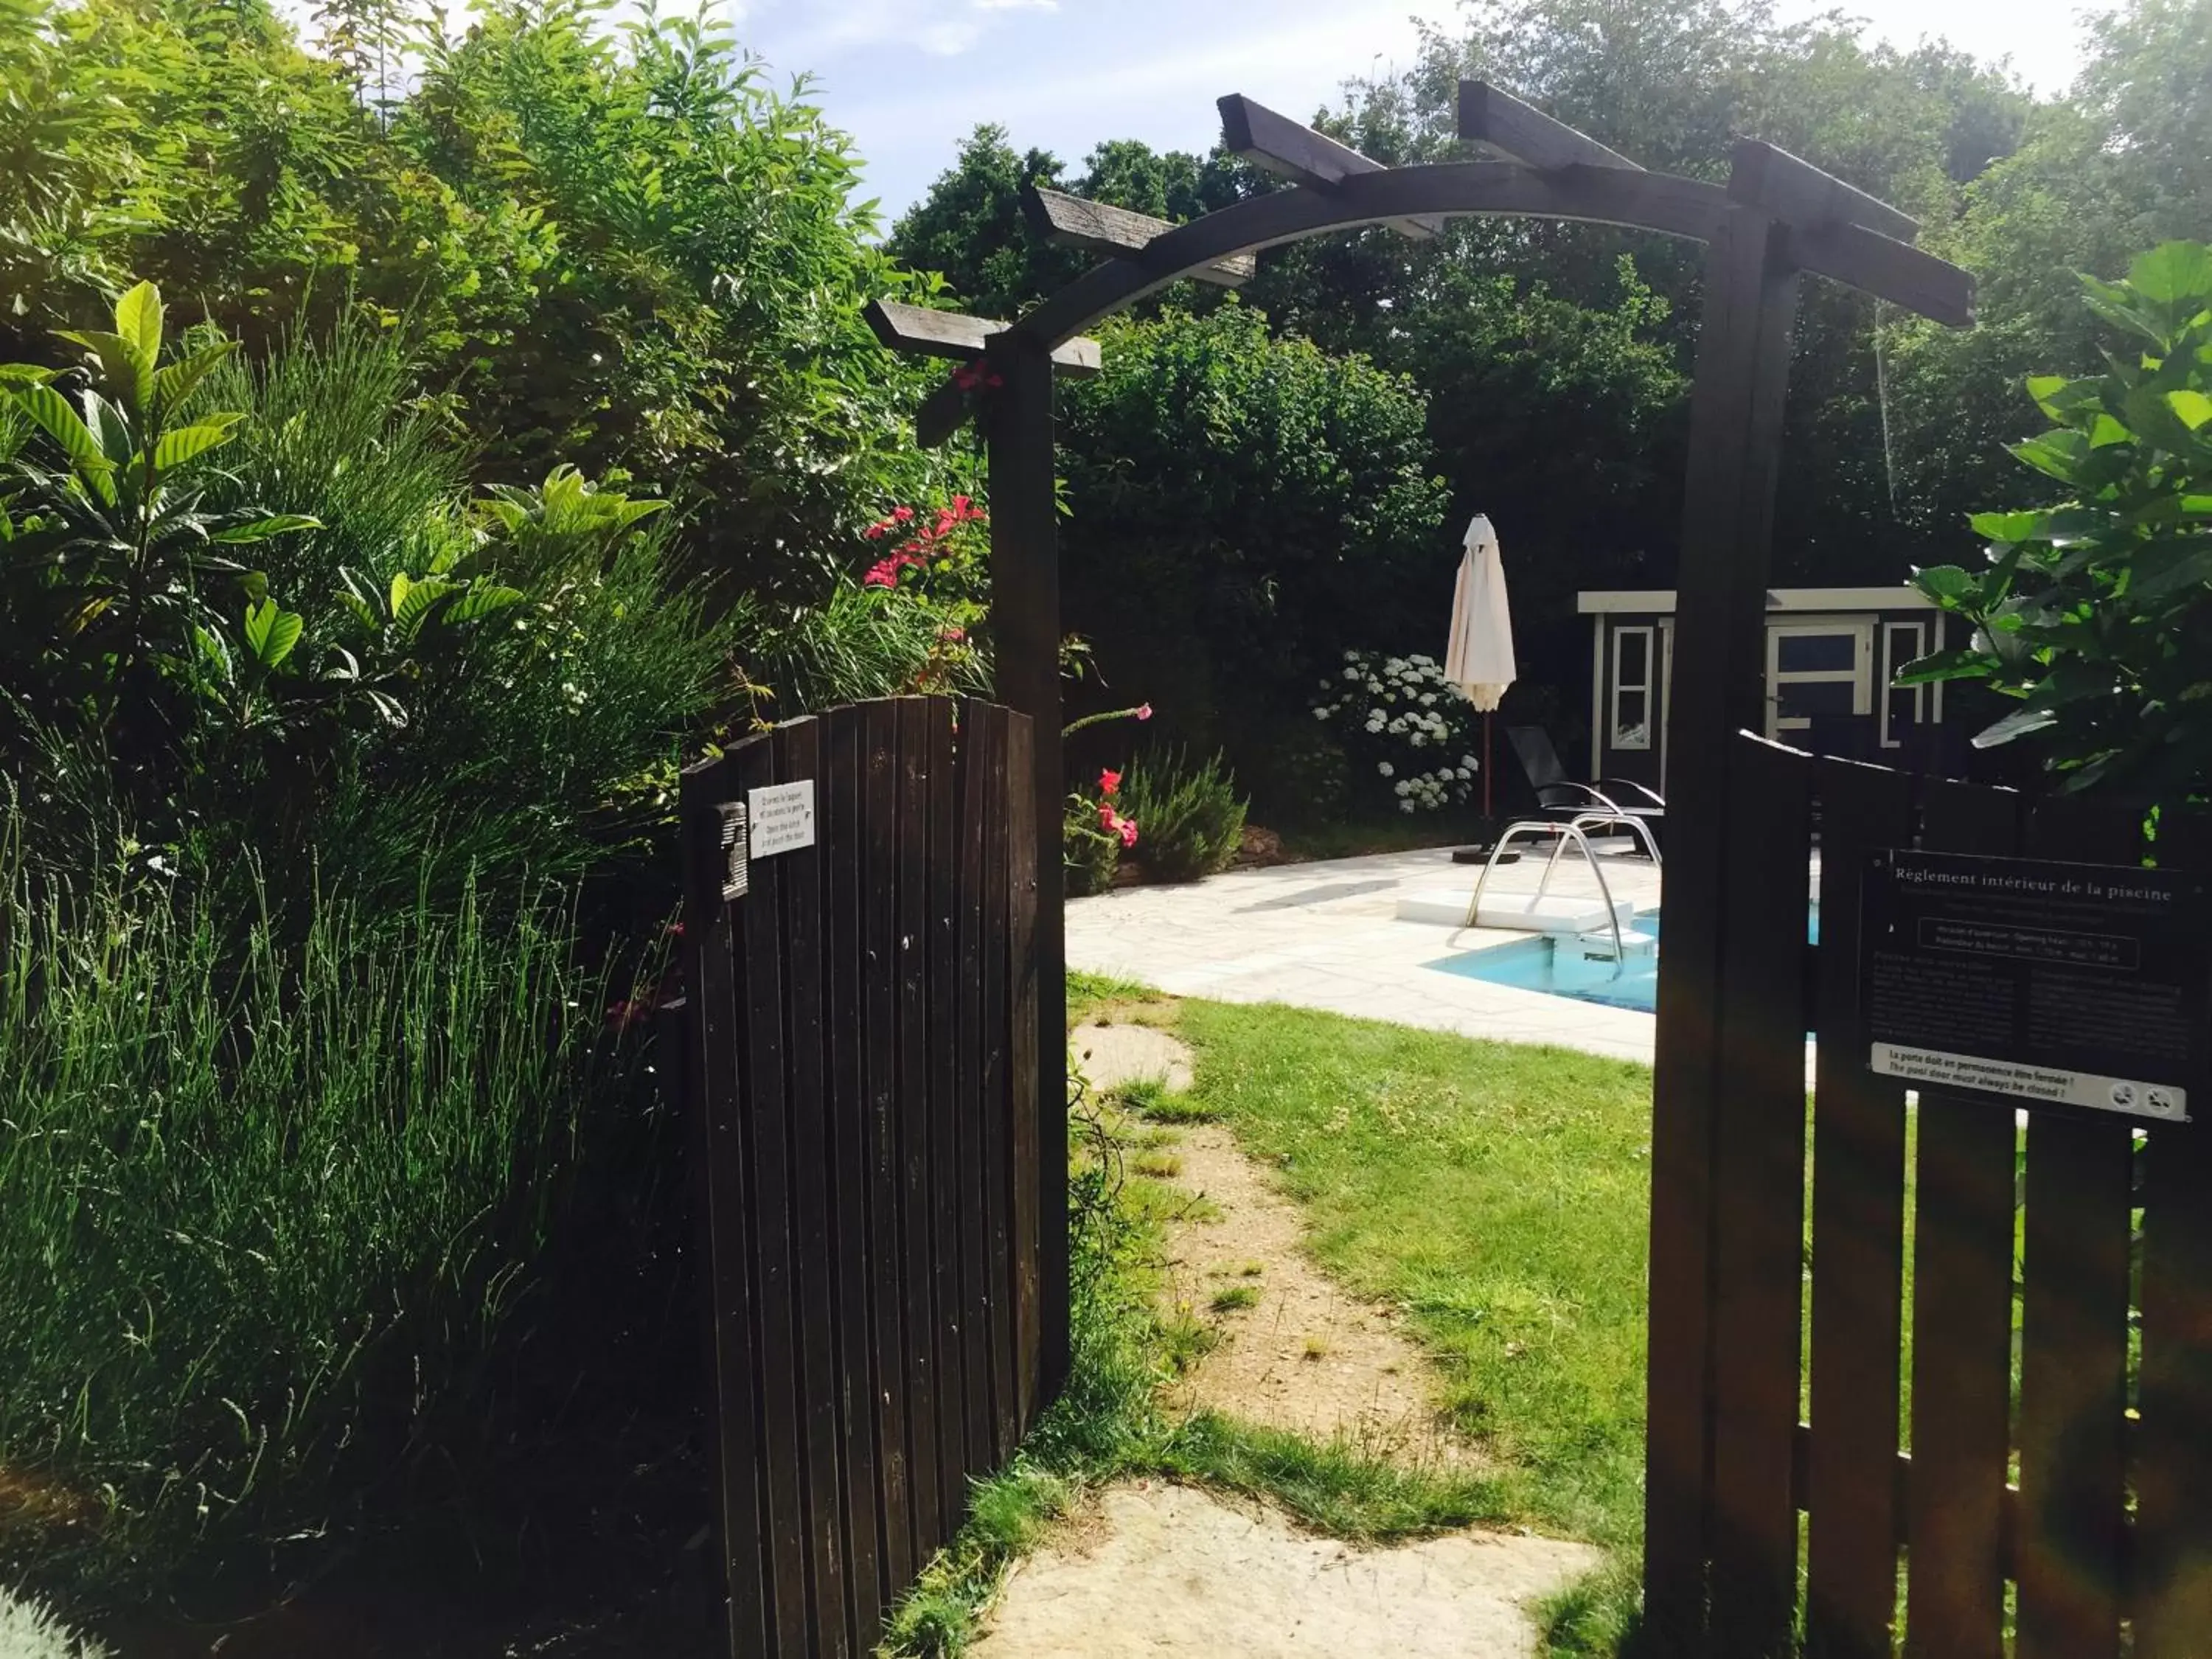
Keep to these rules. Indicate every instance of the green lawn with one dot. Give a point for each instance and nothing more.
(1500, 1194)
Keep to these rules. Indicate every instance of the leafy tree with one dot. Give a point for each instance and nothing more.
(2095, 610)
(619, 247)
(970, 229)
(2118, 167)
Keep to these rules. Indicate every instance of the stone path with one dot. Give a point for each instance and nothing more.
(1153, 1570)
(1163, 1572)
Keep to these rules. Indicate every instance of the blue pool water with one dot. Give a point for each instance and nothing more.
(1558, 967)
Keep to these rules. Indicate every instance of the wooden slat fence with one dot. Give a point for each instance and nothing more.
(2003, 1418)
(860, 1053)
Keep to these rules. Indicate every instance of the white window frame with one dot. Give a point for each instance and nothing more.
(1648, 632)
(1859, 675)
(1927, 707)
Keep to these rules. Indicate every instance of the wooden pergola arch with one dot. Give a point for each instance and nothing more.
(1777, 218)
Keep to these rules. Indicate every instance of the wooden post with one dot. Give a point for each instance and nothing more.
(1727, 523)
(1025, 630)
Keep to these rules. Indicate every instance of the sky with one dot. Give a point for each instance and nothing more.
(909, 79)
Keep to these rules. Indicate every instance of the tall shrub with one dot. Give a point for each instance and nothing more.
(2094, 610)
(1242, 509)
(1189, 814)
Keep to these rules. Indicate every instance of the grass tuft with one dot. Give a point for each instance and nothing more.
(269, 1197)
(1335, 1487)
(1235, 1299)
(1088, 992)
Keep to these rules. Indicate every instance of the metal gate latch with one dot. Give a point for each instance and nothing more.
(735, 878)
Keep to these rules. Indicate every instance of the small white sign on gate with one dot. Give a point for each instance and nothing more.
(781, 817)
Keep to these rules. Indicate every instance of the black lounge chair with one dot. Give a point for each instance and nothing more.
(1609, 800)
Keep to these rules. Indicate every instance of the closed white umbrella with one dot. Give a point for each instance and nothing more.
(1479, 659)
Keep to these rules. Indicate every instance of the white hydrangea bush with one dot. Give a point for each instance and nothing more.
(1403, 723)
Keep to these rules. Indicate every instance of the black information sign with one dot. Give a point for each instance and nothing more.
(2085, 985)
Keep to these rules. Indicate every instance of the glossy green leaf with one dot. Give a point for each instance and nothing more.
(138, 319)
(414, 602)
(2060, 454)
(128, 371)
(213, 651)
(2018, 724)
(1943, 665)
(260, 530)
(181, 444)
(2006, 527)
(2163, 571)
(175, 383)
(483, 599)
(271, 632)
(51, 410)
(1947, 584)
(2105, 431)
(2174, 275)
(2065, 400)
(2190, 406)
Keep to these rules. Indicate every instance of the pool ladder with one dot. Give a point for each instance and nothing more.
(1560, 835)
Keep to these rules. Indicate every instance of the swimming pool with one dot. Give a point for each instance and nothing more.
(1555, 965)
(1558, 966)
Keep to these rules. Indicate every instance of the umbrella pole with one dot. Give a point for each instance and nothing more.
(1486, 812)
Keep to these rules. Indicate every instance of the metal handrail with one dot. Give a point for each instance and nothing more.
(1560, 834)
(1636, 824)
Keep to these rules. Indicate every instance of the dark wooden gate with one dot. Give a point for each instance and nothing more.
(2052, 1287)
(863, 1062)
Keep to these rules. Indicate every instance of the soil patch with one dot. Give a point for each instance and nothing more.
(1166, 1570)
(1303, 1354)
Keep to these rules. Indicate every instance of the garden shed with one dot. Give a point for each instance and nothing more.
(1831, 655)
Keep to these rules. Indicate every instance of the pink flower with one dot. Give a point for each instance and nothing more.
(877, 531)
(1144, 711)
(1108, 783)
(952, 635)
(882, 575)
(902, 514)
(1114, 824)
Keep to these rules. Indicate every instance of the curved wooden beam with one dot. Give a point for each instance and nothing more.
(1608, 195)
(1629, 197)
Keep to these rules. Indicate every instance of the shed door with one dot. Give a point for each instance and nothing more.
(1818, 666)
